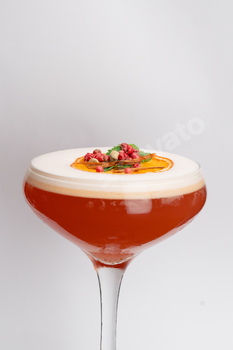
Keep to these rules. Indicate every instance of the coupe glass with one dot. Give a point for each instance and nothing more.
(112, 218)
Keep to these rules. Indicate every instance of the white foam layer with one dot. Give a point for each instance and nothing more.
(52, 172)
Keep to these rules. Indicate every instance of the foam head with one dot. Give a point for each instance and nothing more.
(52, 172)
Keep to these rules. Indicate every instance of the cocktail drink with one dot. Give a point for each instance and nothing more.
(113, 217)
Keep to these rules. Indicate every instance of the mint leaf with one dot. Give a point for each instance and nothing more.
(124, 166)
(116, 148)
(134, 146)
(142, 153)
(145, 160)
(109, 168)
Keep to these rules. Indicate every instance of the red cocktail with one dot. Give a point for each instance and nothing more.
(110, 217)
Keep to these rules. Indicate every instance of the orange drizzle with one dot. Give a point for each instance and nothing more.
(155, 165)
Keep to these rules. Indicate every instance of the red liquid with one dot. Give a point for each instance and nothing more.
(113, 231)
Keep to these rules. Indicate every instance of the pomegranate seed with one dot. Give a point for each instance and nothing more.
(85, 157)
(123, 145)
(136, 165)
(128, 170)
(121, 156)
(106, 158)
(125, 149)
(99, 157)
(130, 149)
(88, 156)
(96, 151)
(134, 155)
(99, 169)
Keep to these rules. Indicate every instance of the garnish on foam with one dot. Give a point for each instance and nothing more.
(122, 159)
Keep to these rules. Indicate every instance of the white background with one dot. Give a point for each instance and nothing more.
(95, 73)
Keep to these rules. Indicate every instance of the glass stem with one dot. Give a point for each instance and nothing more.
(109, 283)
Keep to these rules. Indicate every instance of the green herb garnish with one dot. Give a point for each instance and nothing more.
(109, 168)
(121, 166)
(116, 148)
(134, 146)
(142, 154)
